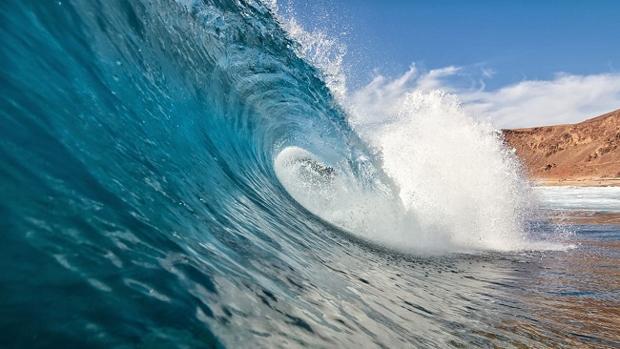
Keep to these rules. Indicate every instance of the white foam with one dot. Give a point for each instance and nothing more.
(371, 213)
(602, 199)
(458, 188)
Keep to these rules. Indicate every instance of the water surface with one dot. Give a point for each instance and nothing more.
(140, 204)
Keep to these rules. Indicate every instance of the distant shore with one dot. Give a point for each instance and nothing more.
(585, 217)
(584, 154)
(578, 182)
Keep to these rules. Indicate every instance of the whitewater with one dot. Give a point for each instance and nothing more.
(198, 174)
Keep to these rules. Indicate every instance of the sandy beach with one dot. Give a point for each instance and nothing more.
(578, 182)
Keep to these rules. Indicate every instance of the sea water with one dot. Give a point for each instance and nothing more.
(164, 183)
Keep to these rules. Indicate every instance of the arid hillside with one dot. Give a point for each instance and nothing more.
(587, 152)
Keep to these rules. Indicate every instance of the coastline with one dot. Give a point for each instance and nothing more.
(584, 217)
(577, 182)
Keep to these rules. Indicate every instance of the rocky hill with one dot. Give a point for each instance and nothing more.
(587, 152)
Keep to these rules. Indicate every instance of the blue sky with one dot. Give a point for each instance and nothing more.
(496, 43)
(516, 39)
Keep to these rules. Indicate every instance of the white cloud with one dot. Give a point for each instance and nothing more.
(567, 98)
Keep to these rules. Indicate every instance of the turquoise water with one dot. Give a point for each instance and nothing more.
(140, 205)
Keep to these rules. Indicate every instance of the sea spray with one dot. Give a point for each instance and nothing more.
(452, 171)
(457, 186)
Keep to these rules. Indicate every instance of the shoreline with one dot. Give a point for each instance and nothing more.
(576, 182)
(584, 217)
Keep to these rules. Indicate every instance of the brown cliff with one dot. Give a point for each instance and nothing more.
(586, 153)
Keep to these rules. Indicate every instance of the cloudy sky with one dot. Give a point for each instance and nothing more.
(519, 63)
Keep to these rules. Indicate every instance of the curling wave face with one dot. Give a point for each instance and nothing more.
(176, 173)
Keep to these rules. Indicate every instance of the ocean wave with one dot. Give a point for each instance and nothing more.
(186, 173)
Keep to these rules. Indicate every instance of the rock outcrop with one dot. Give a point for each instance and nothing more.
(584, 152)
